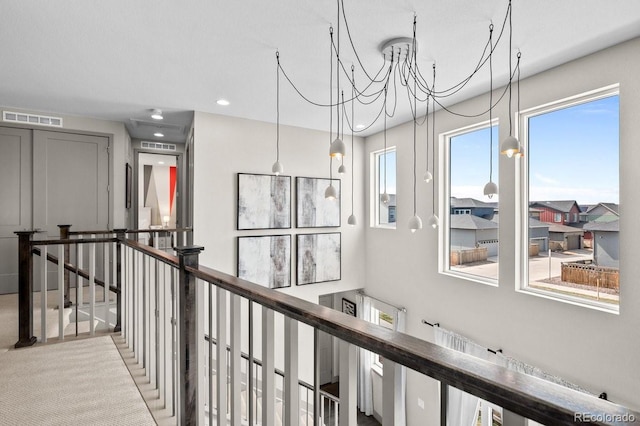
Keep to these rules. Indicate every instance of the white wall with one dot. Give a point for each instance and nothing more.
(225, 146)
(597, 350)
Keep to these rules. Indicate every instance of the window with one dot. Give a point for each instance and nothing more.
(385, 320)
(571, 162)
(469, 231)
(566, 217)
(384, 179)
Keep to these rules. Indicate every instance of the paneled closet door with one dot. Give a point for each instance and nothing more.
(15, 200)
(70, 181)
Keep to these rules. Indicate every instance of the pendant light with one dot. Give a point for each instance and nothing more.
(277, 168)
(330, 193)
(385, 198)
(338, 149)
(490, 189)
(415, 222)
(510, 145)
(428, 176)
(342, 169)
(352, 218)
(433, 221)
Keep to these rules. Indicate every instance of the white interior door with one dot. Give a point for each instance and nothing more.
(15, 200)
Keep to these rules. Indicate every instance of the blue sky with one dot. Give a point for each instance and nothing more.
(573, 155)
(391, 172)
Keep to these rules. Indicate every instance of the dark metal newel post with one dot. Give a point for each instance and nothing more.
(188, 338)
(120, 235)
(64, 235)
(25, 290)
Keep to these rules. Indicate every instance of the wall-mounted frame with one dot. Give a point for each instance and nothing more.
(265, 260)
(319, 258)
(348, 307)
(128, 188)
(313, 210)
(264, 202)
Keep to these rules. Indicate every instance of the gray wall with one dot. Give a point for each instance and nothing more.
(606, 251)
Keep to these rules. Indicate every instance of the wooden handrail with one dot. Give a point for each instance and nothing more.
(528, 396)
(72, 268)
(129, 231)
(73, 241)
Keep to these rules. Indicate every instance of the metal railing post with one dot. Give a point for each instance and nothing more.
(64, 235)
(25, 290)
(187, 337)
(120, 235)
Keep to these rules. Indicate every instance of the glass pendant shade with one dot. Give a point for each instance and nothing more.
(342, 169)
(277, 168)
(428, 177)
(510, 146)
(490, 189)
(433, 221)
(330, 193)
(415, 223)
(385, 198)
(337, 149)
(352, 220)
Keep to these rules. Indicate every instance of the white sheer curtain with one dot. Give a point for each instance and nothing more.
(365, 387)
(462, 407)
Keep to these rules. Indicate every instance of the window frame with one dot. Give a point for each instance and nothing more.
(522, 199)
(444, 235)
(375, 186)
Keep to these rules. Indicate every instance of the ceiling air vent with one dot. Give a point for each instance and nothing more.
(159, 146)
(38, 120)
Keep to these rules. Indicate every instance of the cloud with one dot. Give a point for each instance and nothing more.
(545, 179)
(581, 194)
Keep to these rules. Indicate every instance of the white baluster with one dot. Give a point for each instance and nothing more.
(92, 287)
(107, 276)
(392, 406)
(80, 280)
(236, 361)
(268, 368)
(221, 354)
(61, 261)
(291, 387)
(43, 293)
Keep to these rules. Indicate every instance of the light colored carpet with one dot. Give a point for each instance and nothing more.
(81, 382)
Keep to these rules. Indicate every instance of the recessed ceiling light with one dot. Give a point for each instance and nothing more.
(158, 135)
(222, 102)
(360, 127)
(156, 114)
(160, 162)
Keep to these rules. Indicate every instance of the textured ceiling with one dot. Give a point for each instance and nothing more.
(118, 59)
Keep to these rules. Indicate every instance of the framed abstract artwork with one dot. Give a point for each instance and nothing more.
(319, 258)
(313, 210)
(264, 201)
(265, 260)
(348, 307)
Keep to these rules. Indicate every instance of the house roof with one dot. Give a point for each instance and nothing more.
(612, 207)
(535, 223)
(612, 226)
(469, 221)
(564, 229)
(461, 203)
(563, 206)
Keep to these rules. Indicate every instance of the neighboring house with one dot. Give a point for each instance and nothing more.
(601, 212)
(461, 206)
(469, 232)
(606, 243)
(539, 234)
(561, 212)
(562, 237)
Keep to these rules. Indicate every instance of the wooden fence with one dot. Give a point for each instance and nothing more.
(596, 276)
(460, 257)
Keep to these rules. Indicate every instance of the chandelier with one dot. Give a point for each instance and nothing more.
(382, 90)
